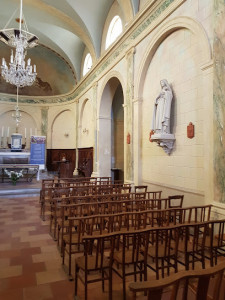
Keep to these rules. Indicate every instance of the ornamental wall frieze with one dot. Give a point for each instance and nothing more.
(127, 40)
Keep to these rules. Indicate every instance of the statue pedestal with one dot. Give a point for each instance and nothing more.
(164, 140)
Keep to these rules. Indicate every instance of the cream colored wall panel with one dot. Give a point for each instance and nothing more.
(181, 72)
(63, 129)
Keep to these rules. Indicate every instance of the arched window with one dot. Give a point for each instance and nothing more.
(115, 29)
(87, 64)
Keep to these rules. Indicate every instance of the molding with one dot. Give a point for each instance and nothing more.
(172, 187)
(144, 23)
(218, 210)
(138, 100)
(207, 65)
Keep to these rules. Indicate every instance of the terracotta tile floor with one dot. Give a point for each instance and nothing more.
(30, 263)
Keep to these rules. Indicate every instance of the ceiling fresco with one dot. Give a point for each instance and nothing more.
(54, 75)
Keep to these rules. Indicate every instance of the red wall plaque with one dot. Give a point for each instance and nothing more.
(190, 130)
(128, 138)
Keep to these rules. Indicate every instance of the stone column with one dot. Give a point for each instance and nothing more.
(75, 172)
(128, 117)
(44, 120)
(219, 101)
(95, 172)
(137, 123)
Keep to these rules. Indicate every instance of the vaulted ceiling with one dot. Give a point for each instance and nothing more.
(66, 27)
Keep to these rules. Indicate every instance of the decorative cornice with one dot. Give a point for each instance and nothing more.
(131, 37)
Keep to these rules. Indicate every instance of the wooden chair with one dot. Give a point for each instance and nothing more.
(159, 289)
(176, 201)
(140, 188)
(130, 256)
(215, 240)
(95, 261)
(192, 244)
(72, 241)
(140, 191)
(163, 249)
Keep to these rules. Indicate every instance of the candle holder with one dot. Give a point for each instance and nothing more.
(25, 143)
(7, 143)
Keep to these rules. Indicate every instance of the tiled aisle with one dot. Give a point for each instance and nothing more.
(30, 263)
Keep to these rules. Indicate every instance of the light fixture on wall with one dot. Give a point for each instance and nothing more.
(18, 73)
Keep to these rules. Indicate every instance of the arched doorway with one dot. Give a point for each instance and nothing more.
(117, 144)
(111, 130)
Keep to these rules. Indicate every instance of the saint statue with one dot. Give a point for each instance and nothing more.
(162, 108)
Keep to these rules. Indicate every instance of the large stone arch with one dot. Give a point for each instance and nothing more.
(127, 9)
(203, 63)
(106, 94)
(164, 31)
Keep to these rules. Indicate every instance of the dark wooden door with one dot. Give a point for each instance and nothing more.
(85, 161)
(55, 155)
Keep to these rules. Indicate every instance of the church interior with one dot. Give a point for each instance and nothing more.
(112, 165)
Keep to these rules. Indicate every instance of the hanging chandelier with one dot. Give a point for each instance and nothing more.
(18, 72)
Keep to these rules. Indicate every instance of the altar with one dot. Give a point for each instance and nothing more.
(8, 157)
(17, 161)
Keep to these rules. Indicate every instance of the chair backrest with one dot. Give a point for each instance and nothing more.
(155, 288)
(217, 240)
(176, 201)
(96, 247)
(136, 242)
(201, 213)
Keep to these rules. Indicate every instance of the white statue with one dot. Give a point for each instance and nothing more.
(162, 108)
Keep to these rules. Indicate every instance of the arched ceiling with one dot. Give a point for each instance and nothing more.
(66, 26)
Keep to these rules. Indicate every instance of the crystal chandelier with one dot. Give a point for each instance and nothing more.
(18, 72)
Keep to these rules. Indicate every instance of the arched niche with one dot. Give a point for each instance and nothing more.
(86, 125)
(179, 51)
(63, 131)
(110, 88)
(27, 126)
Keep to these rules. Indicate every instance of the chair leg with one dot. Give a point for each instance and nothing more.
(76, 274)
(162, 266)
(135, 275)
(103, 282)
(63, 252)
(85, 285)
(110, 283)
(124, 282)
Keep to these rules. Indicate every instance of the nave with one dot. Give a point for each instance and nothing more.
(31, 265)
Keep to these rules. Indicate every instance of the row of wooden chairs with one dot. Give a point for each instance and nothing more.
(98, 204)
(183, 281)
(77, 227)
(64, 208)
(47, 194)
(64, 187)
(118, 252)
(57, 180)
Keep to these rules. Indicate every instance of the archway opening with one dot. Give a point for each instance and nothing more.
(117, 143)
(111, 131)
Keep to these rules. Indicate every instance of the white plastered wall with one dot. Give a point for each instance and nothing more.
(61, 127)
(86, 124)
